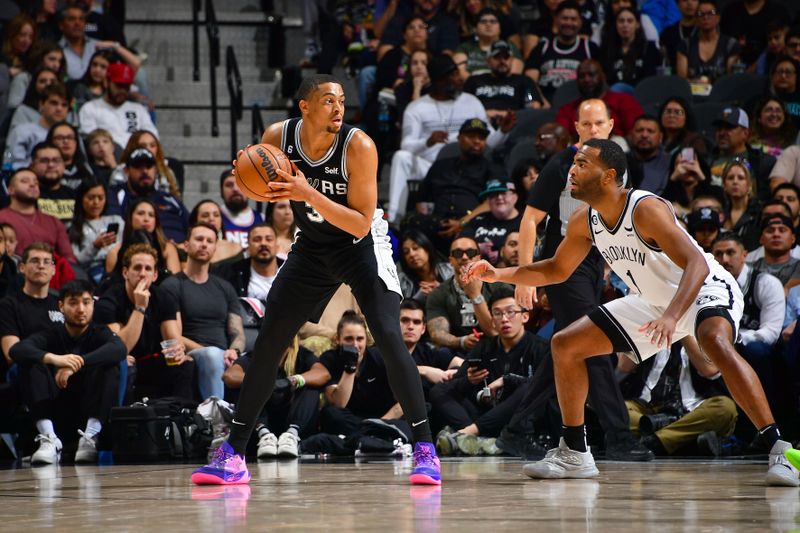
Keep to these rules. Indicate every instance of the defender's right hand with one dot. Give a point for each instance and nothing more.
(480, 270)
(525, 296)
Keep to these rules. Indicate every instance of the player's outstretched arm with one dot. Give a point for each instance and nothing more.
(557, 269)
(656, 224)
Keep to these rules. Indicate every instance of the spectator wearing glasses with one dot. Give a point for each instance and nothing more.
(793, 43)
(680, 129)
(421, 268)
(773, 130)
(458, 313)
(66, 138)
(32, 309)
(31, 224)
(55, 199)
(783, 84)
(732, 136)
(689, 62)
(490, 229)
(483, 395)
(471, 57)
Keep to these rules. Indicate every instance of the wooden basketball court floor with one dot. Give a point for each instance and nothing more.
(484, 495)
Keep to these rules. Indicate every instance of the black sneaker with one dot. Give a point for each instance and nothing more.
(625, 447)
(710, 443)
(520, 445)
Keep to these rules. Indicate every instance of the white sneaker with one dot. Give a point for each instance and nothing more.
(49, 451)
(267, 446)
(87, 449)
(780, 472)
(561, 463)
(289, 445)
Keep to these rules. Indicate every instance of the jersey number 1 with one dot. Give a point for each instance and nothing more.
(313, 215)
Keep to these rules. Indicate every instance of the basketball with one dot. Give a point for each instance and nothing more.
(255, 168)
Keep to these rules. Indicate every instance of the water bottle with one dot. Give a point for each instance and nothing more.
(383, 116)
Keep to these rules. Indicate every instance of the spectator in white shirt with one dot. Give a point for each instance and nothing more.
(22, 139)
(114, 112)
(429, 123)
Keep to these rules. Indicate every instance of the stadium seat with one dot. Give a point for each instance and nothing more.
(704, 114)
(657, 89)
(737, 89)
(565, 94)
(525, 148)
(528, 121)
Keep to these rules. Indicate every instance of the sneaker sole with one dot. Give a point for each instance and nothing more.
(269, 455)
(531, 472)
(793, 456)
(84, 459)
(288, 454)
(444, 445)
(423, 479)
(200, 478)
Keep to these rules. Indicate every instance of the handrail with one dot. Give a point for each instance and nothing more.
(234, 79)
(196, 6)
(256, 125)
(212, 31)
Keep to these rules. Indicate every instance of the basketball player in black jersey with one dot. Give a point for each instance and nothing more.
(343, 239)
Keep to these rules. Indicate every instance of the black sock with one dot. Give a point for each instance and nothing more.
(575, 437)
(770, 435)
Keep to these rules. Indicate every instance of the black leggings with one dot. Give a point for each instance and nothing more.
(304, 285)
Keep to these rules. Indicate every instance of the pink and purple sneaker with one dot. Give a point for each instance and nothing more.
(427, 470)
(226, 468)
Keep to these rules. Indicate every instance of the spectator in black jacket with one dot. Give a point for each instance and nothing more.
(252, 277)
(70, 369)
(483, 395)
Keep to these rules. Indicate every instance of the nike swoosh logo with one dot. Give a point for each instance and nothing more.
(598, 232)
(356, 241)
(370, 380)
(415, 424)
(628, 229)
(238, 423)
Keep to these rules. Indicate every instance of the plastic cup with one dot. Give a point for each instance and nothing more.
(168, 349)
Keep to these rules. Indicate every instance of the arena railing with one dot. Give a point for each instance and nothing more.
(212, 31)
(234, 79)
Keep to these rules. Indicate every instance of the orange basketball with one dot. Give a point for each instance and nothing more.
(255, 168)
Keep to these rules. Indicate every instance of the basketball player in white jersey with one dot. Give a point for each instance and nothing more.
(676, 291)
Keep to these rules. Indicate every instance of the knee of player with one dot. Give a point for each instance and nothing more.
(559, 345)
(716, 343)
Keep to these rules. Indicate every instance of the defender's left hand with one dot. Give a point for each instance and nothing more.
(293, 187)
(660, 331)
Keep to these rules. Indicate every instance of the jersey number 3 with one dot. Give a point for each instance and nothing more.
(313, 214)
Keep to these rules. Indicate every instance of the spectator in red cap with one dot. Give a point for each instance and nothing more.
(115, 112)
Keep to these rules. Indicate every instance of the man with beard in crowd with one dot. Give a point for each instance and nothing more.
(252, 277)
(140, 170)
(238, 218)
(648, 161)
(625, 109)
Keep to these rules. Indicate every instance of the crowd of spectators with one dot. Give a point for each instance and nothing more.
(477, 111)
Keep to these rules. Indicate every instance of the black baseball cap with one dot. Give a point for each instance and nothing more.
(474, 125)
(777, 219)
(141, 157)
(440, 66)
(705, 216)
(499, 47)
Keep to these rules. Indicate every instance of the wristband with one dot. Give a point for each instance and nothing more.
(462, 341)
(299, 381)
(142, 310)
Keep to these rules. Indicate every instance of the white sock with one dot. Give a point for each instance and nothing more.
(45, 427)
(93, 427)
(293, 430)
(263, 430)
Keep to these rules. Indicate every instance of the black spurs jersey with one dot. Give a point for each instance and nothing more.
(328, 175)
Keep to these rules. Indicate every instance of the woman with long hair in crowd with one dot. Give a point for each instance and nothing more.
(415, 84)
(65, 136)
(28, 110)
(10, 236)
(773, 129)
(628, 57)
(280, 216)
(18, 41)
(208, 211)
(93, 83)
(741, 202)
(420, 269)
(293, 409)
(93, 233)
(680, 129)
(100, 151)
(142, 224)
(45, 55)
(170, 170)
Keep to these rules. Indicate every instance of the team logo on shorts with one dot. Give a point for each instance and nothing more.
(706, 299)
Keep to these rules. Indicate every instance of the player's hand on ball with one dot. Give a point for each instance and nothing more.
(238, 155)
(660, 331)
(480, 270)
(291, 187)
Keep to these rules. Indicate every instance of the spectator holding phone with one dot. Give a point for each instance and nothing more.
(486, 390)
(93, 233)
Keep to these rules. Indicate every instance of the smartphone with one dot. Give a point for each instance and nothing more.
(475, 363)
(687, 154)
(113, 228)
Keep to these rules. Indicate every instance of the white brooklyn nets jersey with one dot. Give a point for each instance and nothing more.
(646, 269)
